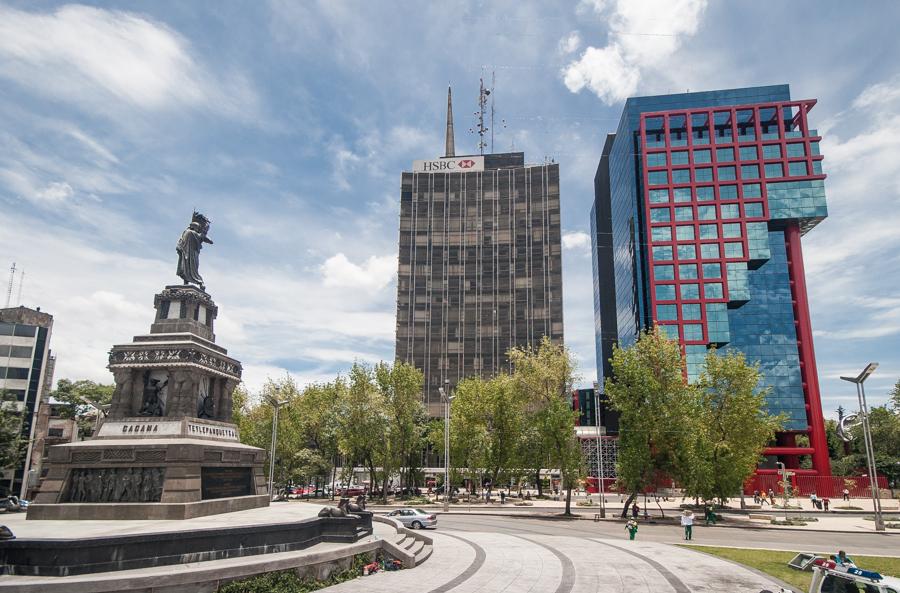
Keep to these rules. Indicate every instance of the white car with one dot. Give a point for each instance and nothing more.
(414, 518)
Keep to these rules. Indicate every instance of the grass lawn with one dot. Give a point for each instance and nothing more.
(774, 562)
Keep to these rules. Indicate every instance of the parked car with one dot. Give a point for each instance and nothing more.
(351, 491)
(414, 518)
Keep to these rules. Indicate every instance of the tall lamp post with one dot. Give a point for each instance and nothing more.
(867, 438)
(601, 473)
(446, 399)
(276, 405)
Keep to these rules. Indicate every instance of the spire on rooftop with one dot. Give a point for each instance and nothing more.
(449, 148)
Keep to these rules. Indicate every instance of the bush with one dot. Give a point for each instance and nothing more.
(287, 581)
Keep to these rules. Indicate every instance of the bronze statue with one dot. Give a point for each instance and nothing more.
(152, 406)
(188, 249)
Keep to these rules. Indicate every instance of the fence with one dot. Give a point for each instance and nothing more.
(822, 486)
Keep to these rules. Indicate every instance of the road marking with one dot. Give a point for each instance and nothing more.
(567, 580)
(469, 572)
(667, 574)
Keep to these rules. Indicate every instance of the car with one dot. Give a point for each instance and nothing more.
(351, 491)
(414, 518)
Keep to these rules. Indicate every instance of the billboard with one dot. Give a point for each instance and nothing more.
(458, 164)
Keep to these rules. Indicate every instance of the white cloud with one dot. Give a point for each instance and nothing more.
(92, 56)
(642, 34)
(55, 192)
(880, 93)
(570, 43)
(576, 241)
(374, 274)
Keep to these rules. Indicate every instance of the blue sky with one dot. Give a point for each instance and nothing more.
(288, 124)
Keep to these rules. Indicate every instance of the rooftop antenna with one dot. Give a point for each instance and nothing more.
(21, 284)
(449, 148)
(12, 276)
(479, 129)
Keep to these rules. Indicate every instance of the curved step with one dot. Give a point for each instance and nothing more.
(424, 554)
(416, 547)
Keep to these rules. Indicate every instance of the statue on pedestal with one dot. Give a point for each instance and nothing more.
(188, 249)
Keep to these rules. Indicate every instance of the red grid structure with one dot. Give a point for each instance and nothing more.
(779, 124)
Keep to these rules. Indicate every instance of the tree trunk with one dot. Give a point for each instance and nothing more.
(333, 478)
(537, 476)
(628, 502)
(568, 499)
(384, 488)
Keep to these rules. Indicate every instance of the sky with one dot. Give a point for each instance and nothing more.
(288, 124)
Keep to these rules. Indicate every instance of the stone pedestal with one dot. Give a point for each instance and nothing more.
(167, 450)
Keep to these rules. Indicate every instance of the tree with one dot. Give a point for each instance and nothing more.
(544, 378)
(362, 420)
(894, 394)
(655, 403)
(12, 445)
(884, 423)
(730, 427)
(82, 397)
(400, 393)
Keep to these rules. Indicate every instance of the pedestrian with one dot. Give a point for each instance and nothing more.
(632, 528)
(771, 497)
(503, 497)
(846, 495)
(687, 521)
(635, 509)
(814, 500)
(756, 496)
(842, 559)
(825, 502)
(708, 515)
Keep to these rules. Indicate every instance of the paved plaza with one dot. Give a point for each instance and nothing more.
(482, 561)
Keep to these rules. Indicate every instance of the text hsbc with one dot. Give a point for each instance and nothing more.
(446, 165)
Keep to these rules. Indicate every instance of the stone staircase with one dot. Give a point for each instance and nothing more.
(410, 547)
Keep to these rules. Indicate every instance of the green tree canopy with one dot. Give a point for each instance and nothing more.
(82, 398)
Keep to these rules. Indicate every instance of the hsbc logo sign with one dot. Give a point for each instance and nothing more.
(450, 165)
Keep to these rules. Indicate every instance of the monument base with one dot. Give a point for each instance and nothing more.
(160, 468)
(153, 511)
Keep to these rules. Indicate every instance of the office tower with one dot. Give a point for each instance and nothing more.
(25, 362)
(479, 263)
(701, 202)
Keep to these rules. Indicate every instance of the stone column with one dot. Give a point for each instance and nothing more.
(121, 400)
(225, 408)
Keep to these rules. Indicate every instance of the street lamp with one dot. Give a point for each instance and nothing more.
(867, 438)
(601, 473)
(446, 399)
(276, 405)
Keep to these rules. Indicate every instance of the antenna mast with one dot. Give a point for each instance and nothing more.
(9, 287)
(493, 82)
(483, 95)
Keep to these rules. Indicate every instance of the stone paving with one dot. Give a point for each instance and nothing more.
(481, 562)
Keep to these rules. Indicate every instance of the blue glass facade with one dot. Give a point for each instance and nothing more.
(705, 214)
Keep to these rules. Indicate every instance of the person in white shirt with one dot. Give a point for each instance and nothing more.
(687, 521)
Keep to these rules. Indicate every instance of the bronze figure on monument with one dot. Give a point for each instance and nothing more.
(188, 249)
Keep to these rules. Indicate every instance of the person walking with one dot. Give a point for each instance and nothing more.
(771, 497)
(687, 521)
(632, 528)
(709, 515)
(825, 502)
(846, 494)
(635, 509)
(502, 497)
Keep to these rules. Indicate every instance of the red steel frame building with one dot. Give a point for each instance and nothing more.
(777, 191)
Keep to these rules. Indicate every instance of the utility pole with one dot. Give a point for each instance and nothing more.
(447, 399)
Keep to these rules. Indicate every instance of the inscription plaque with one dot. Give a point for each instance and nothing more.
(225, 482)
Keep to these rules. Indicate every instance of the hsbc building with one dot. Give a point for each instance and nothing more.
(479, 264)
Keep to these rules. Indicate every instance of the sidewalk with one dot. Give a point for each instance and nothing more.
(835, 520)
